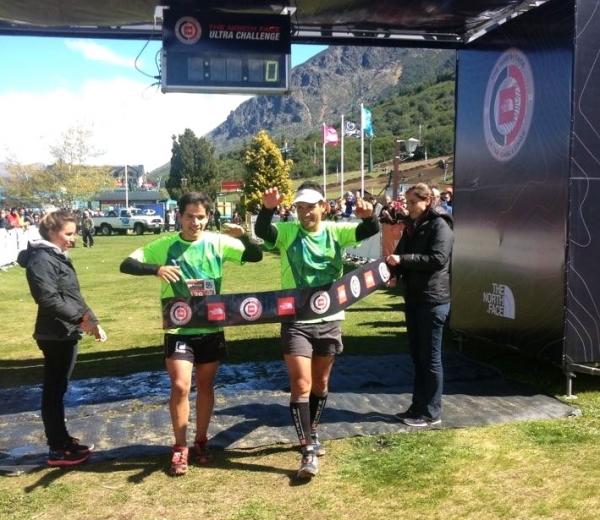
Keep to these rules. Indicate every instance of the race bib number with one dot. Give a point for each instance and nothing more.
(201, 287)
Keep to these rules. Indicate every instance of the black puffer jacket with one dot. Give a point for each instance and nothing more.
(54, 287)
(425, 259)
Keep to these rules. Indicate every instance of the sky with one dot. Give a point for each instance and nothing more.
(52, 84)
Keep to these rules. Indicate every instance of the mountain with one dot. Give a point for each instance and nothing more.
(332, 83)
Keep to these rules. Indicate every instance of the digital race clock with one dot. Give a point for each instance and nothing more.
(207, 51)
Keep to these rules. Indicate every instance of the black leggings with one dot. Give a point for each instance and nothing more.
(59, 359)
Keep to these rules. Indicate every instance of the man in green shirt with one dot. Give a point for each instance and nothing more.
(311, 256)
(190, 263)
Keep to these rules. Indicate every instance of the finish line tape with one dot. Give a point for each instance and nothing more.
(308, 303)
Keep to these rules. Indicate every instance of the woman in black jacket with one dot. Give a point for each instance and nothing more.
(61, 318)
(422, 262)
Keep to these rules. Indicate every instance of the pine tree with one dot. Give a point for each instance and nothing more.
(192, 159)
(265, 168)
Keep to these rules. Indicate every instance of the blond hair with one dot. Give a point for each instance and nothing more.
(55, 221)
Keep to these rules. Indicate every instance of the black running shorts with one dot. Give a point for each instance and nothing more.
(306, 339)
(200, 349)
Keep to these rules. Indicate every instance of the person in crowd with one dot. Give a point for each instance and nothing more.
(311, 256)
(236, 219)
(217, 218)
(169, 220)
(13, 219)
(284, 213)
(62, 317)
(387, 215)
(422, 262)
(446, 200)
(190, 263)
(435, 196)
(4, 222)
(87, 229)
(349, 202)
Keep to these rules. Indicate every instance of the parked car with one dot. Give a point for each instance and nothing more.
(125, 219)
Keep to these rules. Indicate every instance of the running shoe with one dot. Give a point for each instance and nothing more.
(201, 453)
(409, 413)
(64, 457)
(74, 445)
(309, 465)
(319, 448)
(421, 422)
(179, 461)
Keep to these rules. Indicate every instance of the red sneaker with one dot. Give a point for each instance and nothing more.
(201, 453)
(179, 461)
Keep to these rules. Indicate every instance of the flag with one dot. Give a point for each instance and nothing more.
(367, 122)
(330, 135)
(351, 129)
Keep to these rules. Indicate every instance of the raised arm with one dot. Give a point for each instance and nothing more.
(263, 228)
(370, 224)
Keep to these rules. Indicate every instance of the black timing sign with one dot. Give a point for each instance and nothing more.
(206, 51)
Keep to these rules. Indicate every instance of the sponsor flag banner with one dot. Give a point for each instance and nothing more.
(330, 135)
(275, 306)
(351, 129)
(367, 121)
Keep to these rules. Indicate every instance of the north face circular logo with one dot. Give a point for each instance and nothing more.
(384, 272)
(508, 105)
(181, 314)
(320, 302)
(251, 309)
(188, 30)
(355, 286)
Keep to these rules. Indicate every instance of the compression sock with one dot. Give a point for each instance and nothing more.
(317, 405)
(300, 411)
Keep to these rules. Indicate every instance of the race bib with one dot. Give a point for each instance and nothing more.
(201, 287)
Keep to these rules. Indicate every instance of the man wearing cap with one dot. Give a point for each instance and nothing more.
(311, 256)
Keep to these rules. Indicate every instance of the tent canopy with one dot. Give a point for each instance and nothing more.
(405, 23)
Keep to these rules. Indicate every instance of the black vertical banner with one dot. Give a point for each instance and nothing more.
(582, 344)
(511, 182)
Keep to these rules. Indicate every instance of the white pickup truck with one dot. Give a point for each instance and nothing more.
(122, 220)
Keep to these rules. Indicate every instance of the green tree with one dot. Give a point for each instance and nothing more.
(265, 168)
(26, 184)
(67, 180)
(192, 159)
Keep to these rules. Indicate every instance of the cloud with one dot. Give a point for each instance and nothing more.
(130, 123)
(96, 52)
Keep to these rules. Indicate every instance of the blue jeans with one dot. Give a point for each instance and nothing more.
(425, 326)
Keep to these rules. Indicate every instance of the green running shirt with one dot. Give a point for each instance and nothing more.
(313, 259)
(201, 264)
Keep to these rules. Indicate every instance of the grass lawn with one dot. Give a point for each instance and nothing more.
(537, 469)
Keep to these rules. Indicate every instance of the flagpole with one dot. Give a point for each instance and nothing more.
(324, 166)
(342, 130)
(362, 151)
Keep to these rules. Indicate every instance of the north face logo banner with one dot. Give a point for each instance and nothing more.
(275, 306)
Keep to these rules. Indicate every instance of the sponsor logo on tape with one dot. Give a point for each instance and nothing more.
(215, 311)
(341, 294)
(320, 302)
(251, 309)
(369, 280)
(384, 272)
(286, 306)
(355, 286)
(180, 314)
